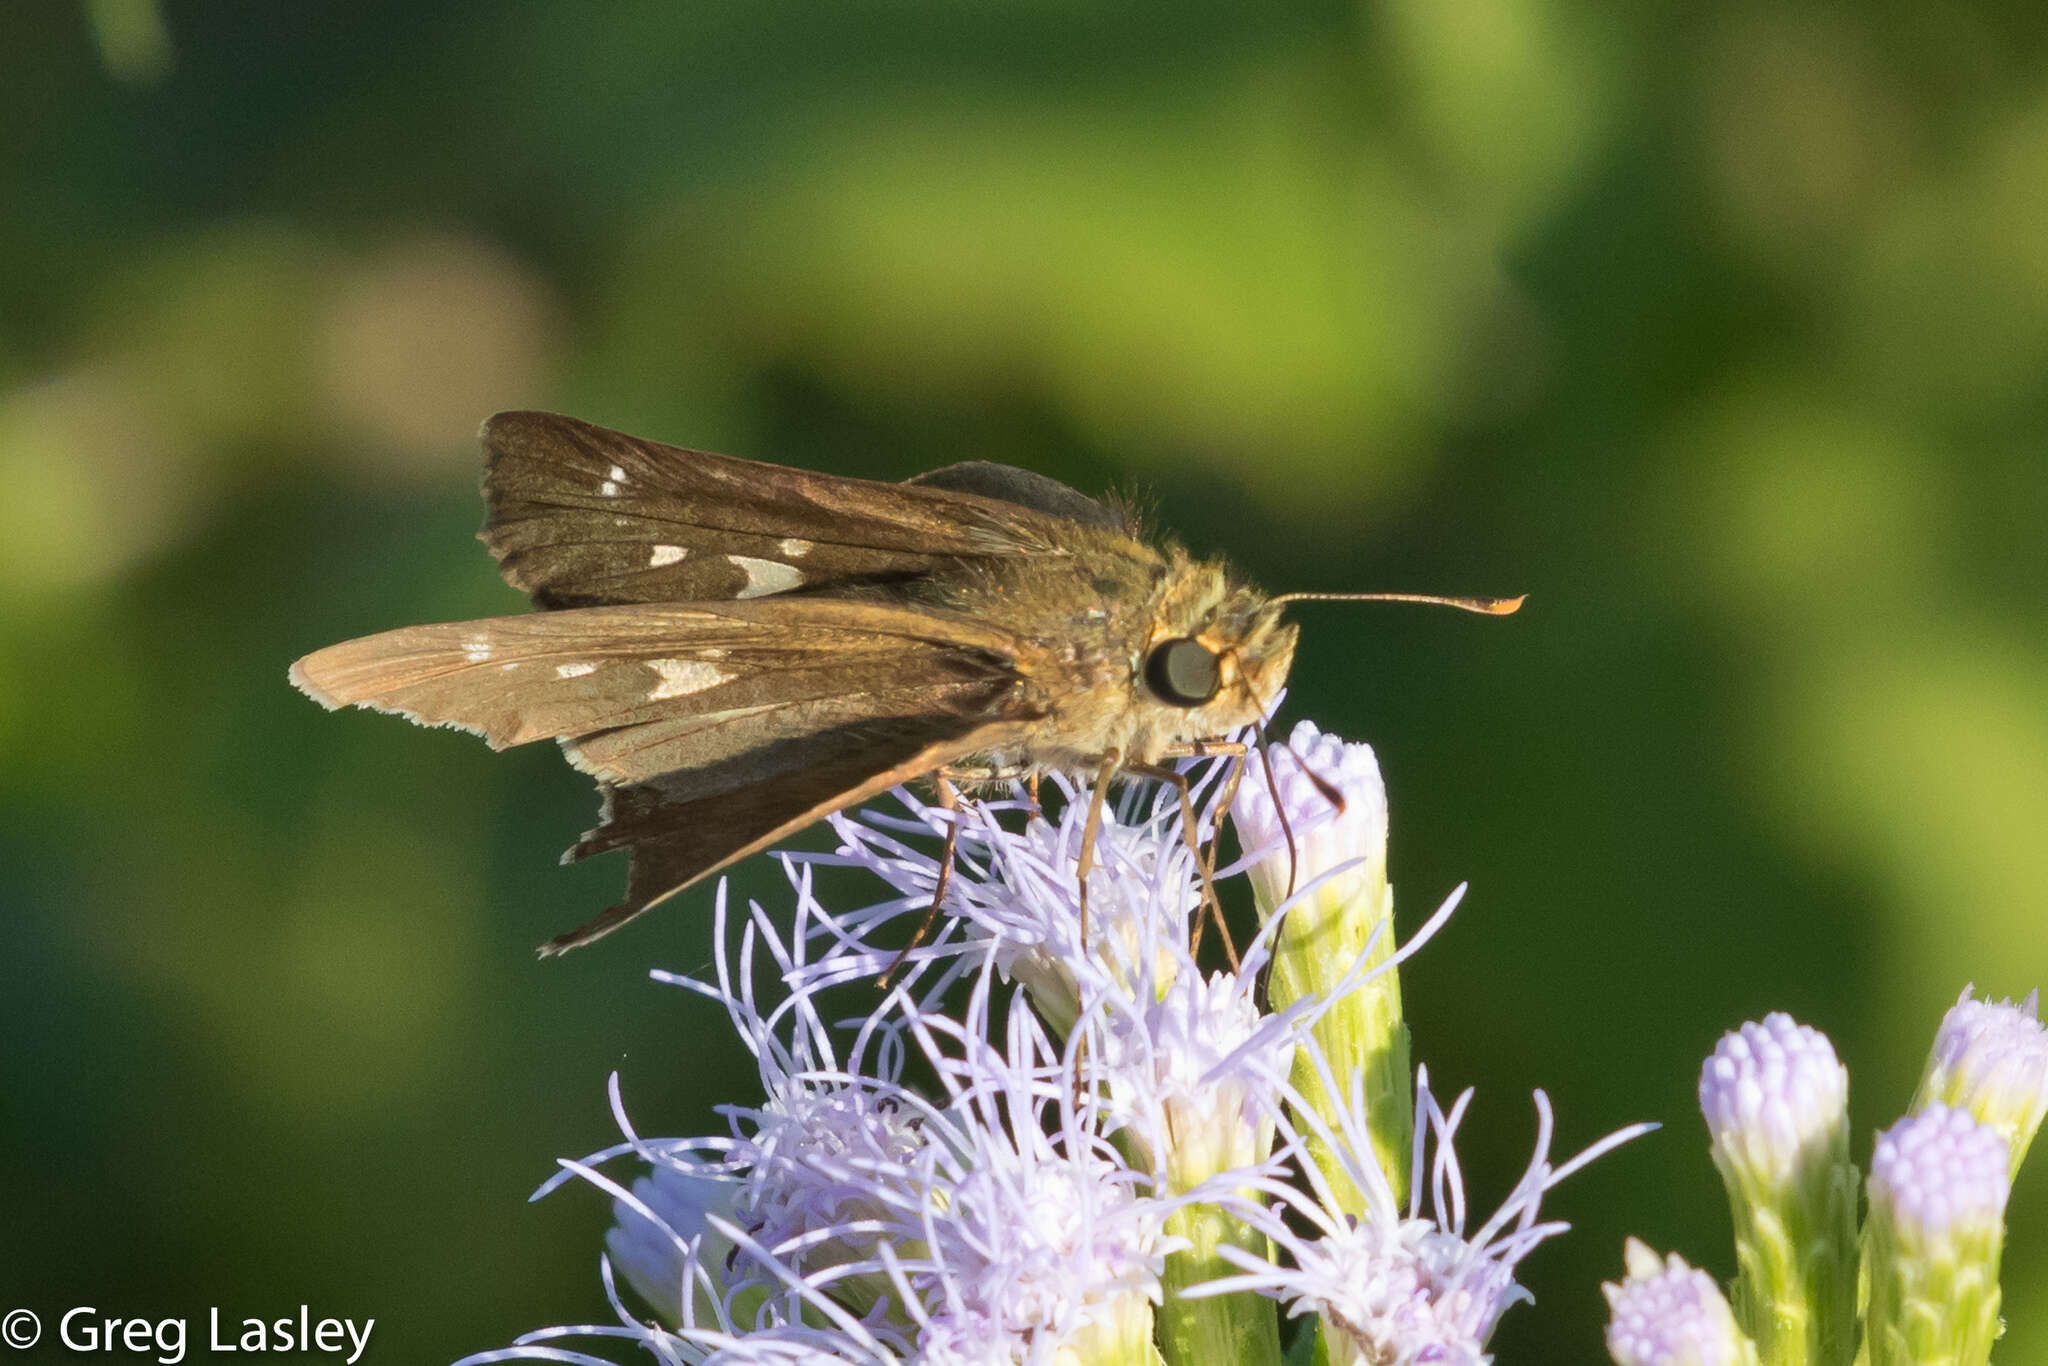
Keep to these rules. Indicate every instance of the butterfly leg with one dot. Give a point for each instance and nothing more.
(1205, 749)
(1224, 800)
(1212, 905)
(1231, 782)
(1084, 862)
(949, 800)
(1237, 751)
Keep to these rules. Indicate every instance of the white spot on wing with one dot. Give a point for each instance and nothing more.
(574, 670)
(665, 554)
(681, 677)
(476, 649)
(796, 547)
(618, 474)
(609, 489)
(764, 576)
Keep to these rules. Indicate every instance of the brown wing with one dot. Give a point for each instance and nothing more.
(714, 729)
(637, 692)
(580, 516)
(678, 836)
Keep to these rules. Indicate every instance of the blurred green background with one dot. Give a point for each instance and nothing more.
(1719, 328)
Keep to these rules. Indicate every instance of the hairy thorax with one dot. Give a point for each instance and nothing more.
(1090, 632)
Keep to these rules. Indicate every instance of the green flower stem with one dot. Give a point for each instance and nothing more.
(1930, 1305)
(1319, 944)
(1795, 1253)
(1241, 1329)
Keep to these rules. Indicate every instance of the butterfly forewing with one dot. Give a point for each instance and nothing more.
(635, 692)
(581, 516)
(714, 728)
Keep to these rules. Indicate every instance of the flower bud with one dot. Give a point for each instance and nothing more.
(1938, 1187)
(1323, 837)
(1991, 1058)
(1776, 1101)
(650, 1251)
(1670, 1314)
(1328, 865)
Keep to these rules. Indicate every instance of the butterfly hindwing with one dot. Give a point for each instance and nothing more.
(676, 836)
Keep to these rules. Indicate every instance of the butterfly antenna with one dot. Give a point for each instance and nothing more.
(1486, 607)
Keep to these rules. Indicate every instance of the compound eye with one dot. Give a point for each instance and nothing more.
(1182, 672)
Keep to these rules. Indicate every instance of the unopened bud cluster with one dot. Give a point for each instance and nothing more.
(1776, 1101)
(1926, 1250)
(1668, 1313)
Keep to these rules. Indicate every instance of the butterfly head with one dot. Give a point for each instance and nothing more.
(1219, 652)
(1217, 656)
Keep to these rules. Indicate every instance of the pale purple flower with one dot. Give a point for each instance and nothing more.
(1668, 1313)
(653, 1249)
(1013, 1228)
(1991, 1058)
(995, 1223)
(1773, 1094)
(1191, 1077)
(1394, 1284)
(1933, 1240)
(1014, 896)
(1324, 836)
(1022, 1205)
(1940, 1174)
(1033, 1248)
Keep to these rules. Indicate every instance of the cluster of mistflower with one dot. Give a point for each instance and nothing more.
(1914, 1280)
(1052, 1137)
